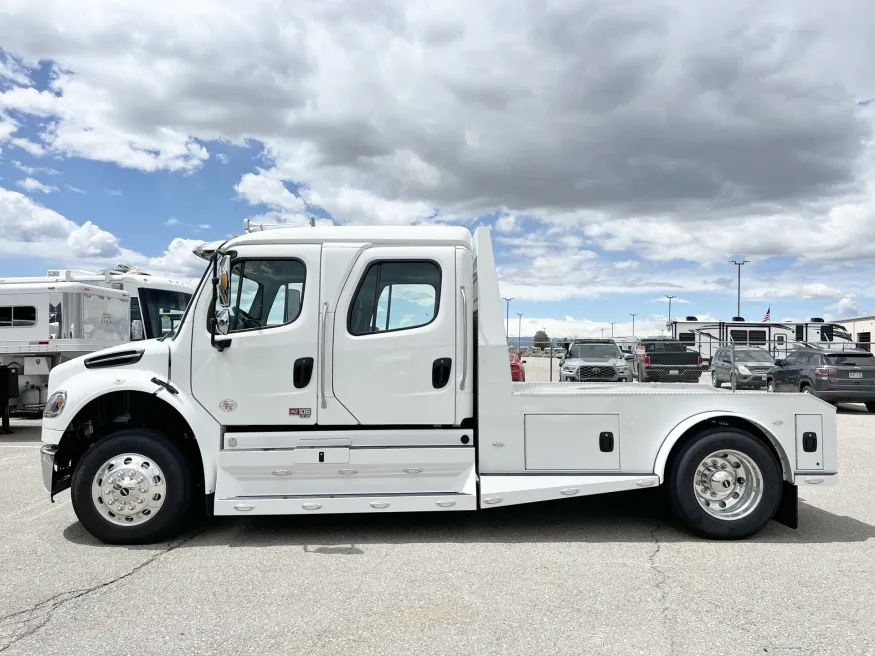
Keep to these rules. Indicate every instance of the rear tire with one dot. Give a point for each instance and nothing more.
(148, 451)
(870, 406)
(752, 472)
(715, 381)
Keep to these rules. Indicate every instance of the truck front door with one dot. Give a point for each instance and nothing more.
(267, 373)
(394, 349)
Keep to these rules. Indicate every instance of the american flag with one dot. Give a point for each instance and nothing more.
(768, 316)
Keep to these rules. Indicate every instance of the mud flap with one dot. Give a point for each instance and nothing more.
(788, 509)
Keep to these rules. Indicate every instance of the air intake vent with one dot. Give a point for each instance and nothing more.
(117, 359)
(816, 320)
(692, 318)
(738, 318)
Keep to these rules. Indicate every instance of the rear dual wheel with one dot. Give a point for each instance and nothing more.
(724, 484)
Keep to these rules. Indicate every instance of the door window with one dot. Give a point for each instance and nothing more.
(800, 333)
(266, 293)
(395, 296)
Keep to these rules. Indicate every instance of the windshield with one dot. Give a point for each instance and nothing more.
(840, 332)
(859, 359)
(162, 310)
(742, 355)
(593, 351)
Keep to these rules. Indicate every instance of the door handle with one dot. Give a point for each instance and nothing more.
(606, 442)
(302, 372)
(440, 372)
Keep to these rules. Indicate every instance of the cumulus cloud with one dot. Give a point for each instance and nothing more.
(846, 307)
(32, 184)
(88, 240)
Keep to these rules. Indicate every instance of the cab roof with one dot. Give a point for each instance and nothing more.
(376, 235)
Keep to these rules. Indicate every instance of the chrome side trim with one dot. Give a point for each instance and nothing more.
(47, 462)
(322, 355)
(464, 338)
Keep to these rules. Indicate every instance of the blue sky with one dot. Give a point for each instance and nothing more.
(601, 199)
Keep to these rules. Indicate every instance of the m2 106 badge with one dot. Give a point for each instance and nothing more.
(228, 405)
(303, 413)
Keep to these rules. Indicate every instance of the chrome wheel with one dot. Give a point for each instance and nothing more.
(771, 386)
(128, 489)
(728, 485)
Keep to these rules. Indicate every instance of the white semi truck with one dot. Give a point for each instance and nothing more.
(365, 370)
(42, 322)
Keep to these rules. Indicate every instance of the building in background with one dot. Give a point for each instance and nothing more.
(861, 329)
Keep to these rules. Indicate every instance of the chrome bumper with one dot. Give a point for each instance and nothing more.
(47, 460)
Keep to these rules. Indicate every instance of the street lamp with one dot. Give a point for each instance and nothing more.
(634, 314)
(519, 339)
(739, 265)
(603, 333)
(669, 307)
(507, 313)
(613, 323)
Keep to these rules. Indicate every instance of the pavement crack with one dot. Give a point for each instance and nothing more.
(661, 578)
(21, 624)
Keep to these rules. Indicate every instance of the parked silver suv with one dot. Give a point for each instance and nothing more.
(594, 360)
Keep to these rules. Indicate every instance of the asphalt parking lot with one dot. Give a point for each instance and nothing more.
(600, 575)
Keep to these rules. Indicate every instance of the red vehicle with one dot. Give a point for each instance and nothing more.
(517, 370)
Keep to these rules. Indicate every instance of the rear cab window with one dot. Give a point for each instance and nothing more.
(395, 295)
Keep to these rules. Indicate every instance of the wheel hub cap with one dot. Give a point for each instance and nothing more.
(128, 489)
(728, 485)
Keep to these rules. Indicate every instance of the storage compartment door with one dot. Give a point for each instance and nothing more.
(809, 442)
(572, 442)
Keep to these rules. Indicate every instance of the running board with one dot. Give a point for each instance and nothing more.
(308, 505)
(498, 491)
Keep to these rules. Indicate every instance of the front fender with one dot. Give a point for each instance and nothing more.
(88, 385)
(678, 431)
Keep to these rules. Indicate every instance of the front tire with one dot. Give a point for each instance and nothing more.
(770, 387)
(870, 406)
(715, 381)
(724, 484)
(132, 487)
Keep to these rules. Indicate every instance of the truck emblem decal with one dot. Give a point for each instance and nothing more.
(106, 318)
(303, 413)
(228, 405)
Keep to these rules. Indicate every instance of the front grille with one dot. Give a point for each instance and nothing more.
(596, 373)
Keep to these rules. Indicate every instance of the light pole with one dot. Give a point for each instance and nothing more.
(612, 328)
(507, 313)
(519, 339)
(634, 314)
(739, 265)
(603, 333)
(669, 308)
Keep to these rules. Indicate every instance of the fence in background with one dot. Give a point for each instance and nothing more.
(776, 364)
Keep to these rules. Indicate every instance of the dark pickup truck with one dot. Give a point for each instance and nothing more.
(666, 360)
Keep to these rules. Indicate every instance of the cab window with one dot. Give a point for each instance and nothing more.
(266, 293)
(395, 296)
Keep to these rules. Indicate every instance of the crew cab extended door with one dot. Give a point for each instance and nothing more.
(394, 348)
(267, 375)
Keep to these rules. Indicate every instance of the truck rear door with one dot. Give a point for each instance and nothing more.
(394, 354)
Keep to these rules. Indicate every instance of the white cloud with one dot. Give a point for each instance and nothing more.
(663, 299)
(507, 222)
(75, 190)
(846, 307)
(264, 189)
(223, 158)
(172, 221)
(29, 146)
(626, 264)
(13, 71)
(32, 184)
(89, 241)
(114, 192)
(204, 226)
(33, 170)
(8, 127)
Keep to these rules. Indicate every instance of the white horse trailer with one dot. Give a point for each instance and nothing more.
(42, 325)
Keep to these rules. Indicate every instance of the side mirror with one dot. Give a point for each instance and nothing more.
(629, 356)
(223, 321)
(779, 362)
(223, 284)
(523, 361)
(137, 331)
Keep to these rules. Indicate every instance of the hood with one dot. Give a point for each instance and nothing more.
(609, 362)
(148, 354)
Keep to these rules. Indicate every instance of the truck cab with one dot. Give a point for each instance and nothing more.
(365, 369)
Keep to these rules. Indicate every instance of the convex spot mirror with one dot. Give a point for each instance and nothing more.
(223, 321)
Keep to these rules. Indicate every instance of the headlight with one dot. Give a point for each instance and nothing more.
(55, 404)
(744, 371)
(569, 368)
(623, 368)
